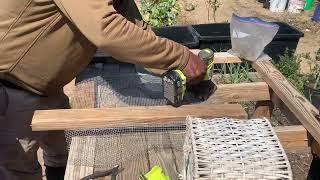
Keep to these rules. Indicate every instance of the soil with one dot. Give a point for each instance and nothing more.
(300, 161)
(302, 21)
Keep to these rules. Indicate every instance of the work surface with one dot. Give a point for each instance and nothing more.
(139, 147)
(136, 151)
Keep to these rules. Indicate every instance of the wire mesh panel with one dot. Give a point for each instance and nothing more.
(135, 148)
(224, 148)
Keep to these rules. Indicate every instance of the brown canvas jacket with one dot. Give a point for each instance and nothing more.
(44, 44)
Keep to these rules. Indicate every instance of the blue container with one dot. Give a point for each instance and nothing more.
(316, 15)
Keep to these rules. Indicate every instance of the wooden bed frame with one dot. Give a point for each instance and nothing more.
(273, 90)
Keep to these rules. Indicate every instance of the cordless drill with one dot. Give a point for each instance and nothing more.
(175, 86)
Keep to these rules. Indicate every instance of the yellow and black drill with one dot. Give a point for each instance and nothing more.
(175, 85)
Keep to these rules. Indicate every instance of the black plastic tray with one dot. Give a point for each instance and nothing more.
(181, 34)
(217, 37)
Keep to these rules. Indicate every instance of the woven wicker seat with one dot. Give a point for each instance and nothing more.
(226, 148)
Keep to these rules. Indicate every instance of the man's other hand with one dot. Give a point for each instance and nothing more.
(195, 70)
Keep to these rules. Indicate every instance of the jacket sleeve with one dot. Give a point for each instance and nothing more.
(110, 31)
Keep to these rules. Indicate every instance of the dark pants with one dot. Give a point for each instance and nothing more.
(18, 144)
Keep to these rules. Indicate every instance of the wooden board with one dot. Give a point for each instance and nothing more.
(134, 157)
(160, 151)
(256, 91)
(63, 119)
(292, 137)
(263, 109)
(81, 149)
(70, 88)
(296, 103)
(221, 57)
(178, 153)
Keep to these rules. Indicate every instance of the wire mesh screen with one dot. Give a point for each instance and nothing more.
(224, 148)
(137, 148)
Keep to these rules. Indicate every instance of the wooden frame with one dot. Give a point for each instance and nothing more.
(293, 103)
(273, 90)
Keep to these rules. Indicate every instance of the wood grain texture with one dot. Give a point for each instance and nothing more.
(296, 103)
(84, 96)
(178, 153)
(63, 119)
(134, 157)
(221, 57)
(256, 91)
(160, 150)
(70, 88)
(263, 109)
(292, 137)
(82, 149)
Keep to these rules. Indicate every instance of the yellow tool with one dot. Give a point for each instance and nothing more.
(174, 82)
(155, 173)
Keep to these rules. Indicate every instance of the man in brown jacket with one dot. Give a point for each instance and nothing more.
(44, 44)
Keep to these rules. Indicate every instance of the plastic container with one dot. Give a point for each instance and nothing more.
(278, 5)
(308, 5)
(316, 15)
(181, 34)
(217, 37)
(296, 6)
(214, 36)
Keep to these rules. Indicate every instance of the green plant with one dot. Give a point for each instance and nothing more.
(213, 5)
(160, 12)
(289, 66)
(313, 78)
(235, 73)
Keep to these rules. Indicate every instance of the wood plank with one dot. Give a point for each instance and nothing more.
(81, 158)
(134, 157)
(160, 150)
(178, 153)
(263, 109)
(256, 91)
(107, 156)
(84, 96)
(70, 88)
(292, 137)
(304, 111)
(63, 119)
(221, 57)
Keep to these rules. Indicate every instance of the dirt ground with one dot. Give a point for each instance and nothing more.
(309, 43)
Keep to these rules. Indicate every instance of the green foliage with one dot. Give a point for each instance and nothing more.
(313, 78)
(160, 12)
(235, 73)
(289, 66)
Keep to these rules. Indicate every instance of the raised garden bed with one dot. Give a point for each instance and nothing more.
(271, 89)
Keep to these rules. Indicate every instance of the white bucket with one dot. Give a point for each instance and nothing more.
(278, 5)
(295, 6)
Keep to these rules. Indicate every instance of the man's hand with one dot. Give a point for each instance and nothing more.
(195, 70)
